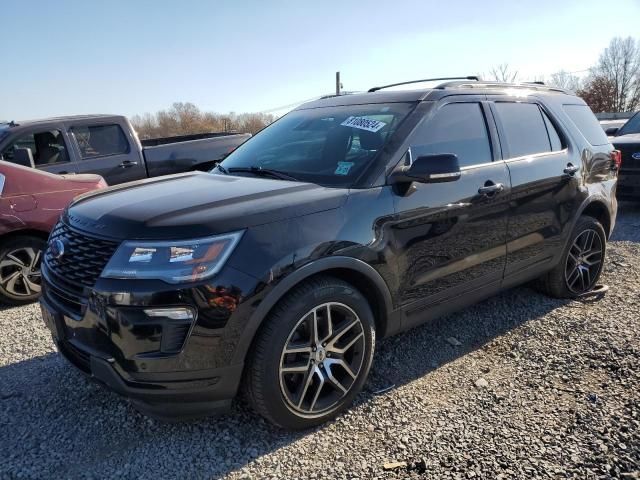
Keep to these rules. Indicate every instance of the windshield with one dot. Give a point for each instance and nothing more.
(329, 146)
(632, 126)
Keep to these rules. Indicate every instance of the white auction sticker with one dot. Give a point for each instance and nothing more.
(363, 123)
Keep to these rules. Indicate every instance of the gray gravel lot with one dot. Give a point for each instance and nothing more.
(518, 386)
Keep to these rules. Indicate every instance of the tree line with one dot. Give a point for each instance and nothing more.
(186, 118)
(611, 85)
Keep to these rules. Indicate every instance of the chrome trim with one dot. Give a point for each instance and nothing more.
(445, 175)
(2, 180)
(537, 155)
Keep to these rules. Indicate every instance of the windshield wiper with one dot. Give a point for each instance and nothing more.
(261, 172)
(222, 169)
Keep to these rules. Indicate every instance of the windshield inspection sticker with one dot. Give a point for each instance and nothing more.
(363, 123)
(343, 168)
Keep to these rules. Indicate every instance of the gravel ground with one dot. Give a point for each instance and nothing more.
(518, 386)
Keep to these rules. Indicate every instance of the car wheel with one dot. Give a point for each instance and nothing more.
(20, 277)
(313, 354)
(581, 264)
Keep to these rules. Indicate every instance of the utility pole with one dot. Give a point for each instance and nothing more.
(338, 84)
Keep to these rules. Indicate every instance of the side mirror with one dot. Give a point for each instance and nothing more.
(435, 168)
(611, 131)
(24, 157)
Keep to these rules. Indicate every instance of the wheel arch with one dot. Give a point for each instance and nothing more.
(26, 232)
(355, 272)
(598, 209)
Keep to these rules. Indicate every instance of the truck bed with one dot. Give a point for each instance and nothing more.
(165, 157)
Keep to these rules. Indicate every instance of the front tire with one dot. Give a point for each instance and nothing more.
(312, 355)
(20, 278)
(581, 264)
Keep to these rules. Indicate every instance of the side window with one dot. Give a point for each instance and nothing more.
(458, 128)
(100, 140)
(47, 147)
(554, 137)
(524, 128)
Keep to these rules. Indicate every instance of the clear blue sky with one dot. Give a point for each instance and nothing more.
(119, 56)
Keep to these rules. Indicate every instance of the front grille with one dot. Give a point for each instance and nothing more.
(83, 261)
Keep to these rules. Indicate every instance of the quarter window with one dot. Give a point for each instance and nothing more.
(458, 128)
(100, 140)
(524, 128)
(586, 121)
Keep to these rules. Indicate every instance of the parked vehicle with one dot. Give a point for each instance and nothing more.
(612, 126)
(30, 204)
(627, 140)
(349, 219)
(107, 145)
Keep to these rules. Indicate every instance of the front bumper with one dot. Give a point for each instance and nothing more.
(106, 334)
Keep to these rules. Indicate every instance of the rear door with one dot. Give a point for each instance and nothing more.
(544, 185)
(103, 148)
(450, 237)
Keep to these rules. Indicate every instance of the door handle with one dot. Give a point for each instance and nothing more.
(490, 189)
(128, 163)
(63, 172)
(571, 169)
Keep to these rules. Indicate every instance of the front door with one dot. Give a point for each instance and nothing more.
(451, 236)
(48, 147)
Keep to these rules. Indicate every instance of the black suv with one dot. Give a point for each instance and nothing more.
(352, 217)
(627, 140)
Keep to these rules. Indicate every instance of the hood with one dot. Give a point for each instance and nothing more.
(196, 204)
(632, 138)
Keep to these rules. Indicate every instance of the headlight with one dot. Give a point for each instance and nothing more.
(172, 261)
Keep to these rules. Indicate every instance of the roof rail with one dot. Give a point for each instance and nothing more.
(524, 85)
(470, 77)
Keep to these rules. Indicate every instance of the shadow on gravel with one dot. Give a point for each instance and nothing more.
(55, 423)
(628, 222)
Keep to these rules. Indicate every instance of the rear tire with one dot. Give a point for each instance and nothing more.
(20, 277)
(312, 355)
(581, 263)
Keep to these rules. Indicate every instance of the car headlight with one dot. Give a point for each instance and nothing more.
(172, 261)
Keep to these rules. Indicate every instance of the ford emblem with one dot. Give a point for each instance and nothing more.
(56, 248)
(636, 156)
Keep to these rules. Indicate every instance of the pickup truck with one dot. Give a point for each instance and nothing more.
(627, 140)
(108, 145)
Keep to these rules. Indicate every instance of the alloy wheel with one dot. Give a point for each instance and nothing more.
(20, 272)
(322, 359)
(584, 262)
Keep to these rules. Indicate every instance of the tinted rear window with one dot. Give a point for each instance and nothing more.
(632, 126)
(100, 140)
(586, 121)
(524, 128)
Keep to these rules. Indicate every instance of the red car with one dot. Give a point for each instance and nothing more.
(30, 203)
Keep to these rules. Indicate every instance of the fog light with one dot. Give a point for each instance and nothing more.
(181, 313)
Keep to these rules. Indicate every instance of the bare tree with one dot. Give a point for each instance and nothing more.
(599, 93)
(620, 64)
(566, 80)
(186, 118)
(503, 73)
